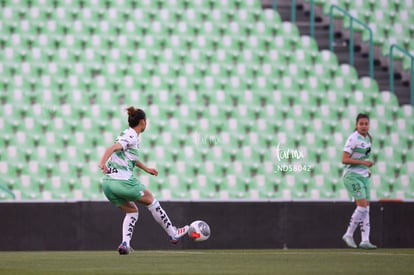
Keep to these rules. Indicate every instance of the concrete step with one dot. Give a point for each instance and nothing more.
(361, 61)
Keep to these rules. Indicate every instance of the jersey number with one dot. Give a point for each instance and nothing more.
(112, 170)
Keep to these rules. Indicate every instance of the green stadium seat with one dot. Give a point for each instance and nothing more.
(266, 188)
(6, 184)
(204, 188)
(340, 84)
(323, 187)
(234, 187)
(405, 112)
(4, 195)
(402, 187)
(389, 99)
(368, 86)
(29, 194)
(227, 70)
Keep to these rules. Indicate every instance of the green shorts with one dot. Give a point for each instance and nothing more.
(358, 187)
(119, 192)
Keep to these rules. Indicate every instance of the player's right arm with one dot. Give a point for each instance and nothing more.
(107, 154)
(349, 147)
(346, 159)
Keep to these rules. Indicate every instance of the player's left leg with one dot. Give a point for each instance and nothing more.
(128, 225)
(357, 217)
(354, 187)
(115, 191)
(365, 226)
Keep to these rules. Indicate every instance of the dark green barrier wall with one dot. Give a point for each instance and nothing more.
(97, 225)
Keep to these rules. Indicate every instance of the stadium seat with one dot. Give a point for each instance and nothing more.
(387, 28)
(227, 71)
(5, 192)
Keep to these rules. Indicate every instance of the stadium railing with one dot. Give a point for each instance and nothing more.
(391, 70)
(352, 19)
(351, 48)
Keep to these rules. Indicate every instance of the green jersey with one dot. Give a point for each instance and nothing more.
(359, 147)
(121, 163)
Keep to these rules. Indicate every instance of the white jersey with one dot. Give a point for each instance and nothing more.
(121, 163)
(359, 147)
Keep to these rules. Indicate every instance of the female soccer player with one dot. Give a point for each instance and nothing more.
(122, 188)
(356, 180)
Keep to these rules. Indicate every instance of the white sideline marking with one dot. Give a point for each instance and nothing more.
(379, 254)
(285, 252)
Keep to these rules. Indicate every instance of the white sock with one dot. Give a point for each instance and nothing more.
(357, 217)
(128, 226)
(161, 217)
(365, 227)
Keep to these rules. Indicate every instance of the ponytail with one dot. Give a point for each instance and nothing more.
(134, 116)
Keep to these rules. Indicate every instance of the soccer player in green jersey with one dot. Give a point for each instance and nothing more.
(356, 180)
(123, 189)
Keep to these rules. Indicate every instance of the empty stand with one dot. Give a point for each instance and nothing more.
(225, 85)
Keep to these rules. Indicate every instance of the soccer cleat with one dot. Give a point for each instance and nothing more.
(123, 249)
(367, 245)
(179, 233)
(349, 240)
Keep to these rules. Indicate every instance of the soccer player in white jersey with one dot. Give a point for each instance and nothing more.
(356, 180)
(122, 188)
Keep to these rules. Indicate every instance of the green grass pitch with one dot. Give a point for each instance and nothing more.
(291, 261)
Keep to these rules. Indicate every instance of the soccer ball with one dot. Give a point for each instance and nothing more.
(199, 231)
